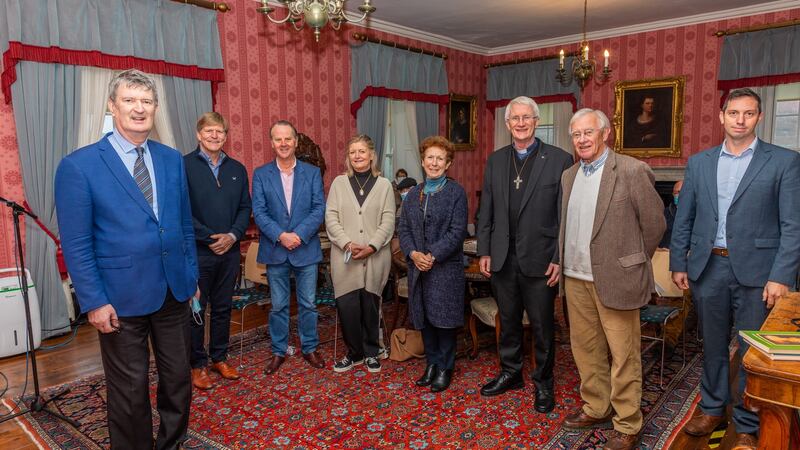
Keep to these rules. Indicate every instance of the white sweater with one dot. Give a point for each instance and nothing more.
(580, 221)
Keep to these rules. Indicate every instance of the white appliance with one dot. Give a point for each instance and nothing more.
(13, 326)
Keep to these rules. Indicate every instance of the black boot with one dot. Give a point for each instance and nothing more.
(427, 377)
(442, 380)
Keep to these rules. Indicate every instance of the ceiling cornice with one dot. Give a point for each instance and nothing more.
(431, 38)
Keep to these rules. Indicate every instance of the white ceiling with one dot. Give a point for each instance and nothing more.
(501, 26)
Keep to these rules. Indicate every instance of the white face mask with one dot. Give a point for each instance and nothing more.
(397, 180)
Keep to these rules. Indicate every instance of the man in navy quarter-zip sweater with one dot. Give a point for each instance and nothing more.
(220, 199)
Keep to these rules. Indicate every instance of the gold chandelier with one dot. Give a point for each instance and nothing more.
(315, 13)
(583, 68)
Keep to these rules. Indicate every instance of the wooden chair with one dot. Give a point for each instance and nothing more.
(485, 310)
(660, 315)
(400, 302)
(257, 274)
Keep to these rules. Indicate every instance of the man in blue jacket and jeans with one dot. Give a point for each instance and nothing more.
(289, 206)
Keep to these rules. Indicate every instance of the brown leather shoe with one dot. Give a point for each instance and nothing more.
(274, 364)
(314, 359)
(621, 441)
(745, 441)
(227, 372)
(702, 424)
(200, 379)
(579, 420)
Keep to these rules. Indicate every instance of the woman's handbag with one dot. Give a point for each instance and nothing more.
(406, 344)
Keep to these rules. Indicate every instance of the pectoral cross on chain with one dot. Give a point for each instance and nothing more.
(517, 182)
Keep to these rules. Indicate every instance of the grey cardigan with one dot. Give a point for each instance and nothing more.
(371, 223)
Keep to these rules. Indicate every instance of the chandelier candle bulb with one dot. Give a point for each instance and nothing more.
(586, 53)
(561, 59)
(315, 13)
(605, 56)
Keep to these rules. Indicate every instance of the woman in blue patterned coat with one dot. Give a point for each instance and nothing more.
(432, 228)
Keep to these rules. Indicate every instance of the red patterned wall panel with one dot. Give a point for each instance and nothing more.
(10, 183)
(691, 51)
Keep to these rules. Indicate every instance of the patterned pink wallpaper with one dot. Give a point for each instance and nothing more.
(10, 183)
(272, 73)
(692, 51)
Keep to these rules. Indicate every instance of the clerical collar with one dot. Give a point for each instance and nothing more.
(522, 154)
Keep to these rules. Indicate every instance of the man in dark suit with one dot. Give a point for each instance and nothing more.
(126, 230)
(517, 245)
(289, 206)
(736, 243)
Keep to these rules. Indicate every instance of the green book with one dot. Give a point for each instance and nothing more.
(780, 345)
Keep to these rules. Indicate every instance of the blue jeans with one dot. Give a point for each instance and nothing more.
(306, 278)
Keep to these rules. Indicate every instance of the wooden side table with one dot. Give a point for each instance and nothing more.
(773, 387)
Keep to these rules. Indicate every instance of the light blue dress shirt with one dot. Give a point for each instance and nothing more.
(590, 168)
(730, 170)
(214, 169)
(127, 153)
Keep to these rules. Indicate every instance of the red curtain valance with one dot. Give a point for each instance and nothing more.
(555, 98)
(767, 80)
(396, 94)
(18, 51)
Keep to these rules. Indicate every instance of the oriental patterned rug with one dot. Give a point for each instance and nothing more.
(304, 408)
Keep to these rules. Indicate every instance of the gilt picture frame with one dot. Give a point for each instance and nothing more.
(648, 118)
(462, 121)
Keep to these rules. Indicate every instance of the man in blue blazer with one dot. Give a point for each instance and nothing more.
(126, 230)
(736, 243)
(289, 206)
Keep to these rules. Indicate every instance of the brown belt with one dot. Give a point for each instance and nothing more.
(720, 251)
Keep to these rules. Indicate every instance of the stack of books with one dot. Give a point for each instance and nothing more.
(778, 345)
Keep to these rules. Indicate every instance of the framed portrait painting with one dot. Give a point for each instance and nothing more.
(462, 118)
(649, 116)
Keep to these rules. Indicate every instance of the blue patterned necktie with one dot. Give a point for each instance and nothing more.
(142, 176)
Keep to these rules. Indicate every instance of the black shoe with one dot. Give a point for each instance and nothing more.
(427, 378)
(545, 401)
(373, 364)
(506, 381)
(346, 364)
(442, 380)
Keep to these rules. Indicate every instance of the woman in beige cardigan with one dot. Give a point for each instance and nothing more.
(359, 219)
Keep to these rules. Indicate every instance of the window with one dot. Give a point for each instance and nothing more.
(786, 119)
(401, 143)
(108, 124)
(545, 129)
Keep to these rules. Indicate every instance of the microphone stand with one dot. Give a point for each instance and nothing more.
(38, 402)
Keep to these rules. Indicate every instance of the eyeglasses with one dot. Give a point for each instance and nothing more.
(518, 119)
(576, 135)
